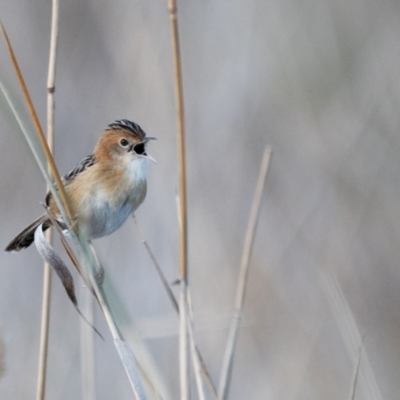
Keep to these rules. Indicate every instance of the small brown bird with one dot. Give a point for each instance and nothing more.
(105, 188)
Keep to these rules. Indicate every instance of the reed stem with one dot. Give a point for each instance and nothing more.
(183, 338)
(46, 296)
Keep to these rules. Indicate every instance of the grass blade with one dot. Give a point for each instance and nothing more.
(131, 368)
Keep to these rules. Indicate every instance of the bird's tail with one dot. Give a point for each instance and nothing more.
(27, 236)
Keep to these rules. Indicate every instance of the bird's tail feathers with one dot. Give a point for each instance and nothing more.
(27, 236)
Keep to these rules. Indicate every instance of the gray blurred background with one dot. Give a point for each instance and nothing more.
(316, 80)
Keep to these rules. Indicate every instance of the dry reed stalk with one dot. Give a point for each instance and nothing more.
(181, 138)
(243, 274)
(44, 327)
(183, 344)
(46, 296)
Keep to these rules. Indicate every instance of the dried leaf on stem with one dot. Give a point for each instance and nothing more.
(54, 260)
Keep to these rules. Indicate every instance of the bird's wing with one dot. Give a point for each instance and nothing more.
(82, 166)
(86, 163)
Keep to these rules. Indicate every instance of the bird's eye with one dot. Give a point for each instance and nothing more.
(123, 142)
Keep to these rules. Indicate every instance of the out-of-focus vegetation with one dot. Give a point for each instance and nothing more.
(318, 81)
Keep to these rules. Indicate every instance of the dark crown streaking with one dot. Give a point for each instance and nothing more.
(127, 125)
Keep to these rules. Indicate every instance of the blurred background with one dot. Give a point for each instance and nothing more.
(316, 80)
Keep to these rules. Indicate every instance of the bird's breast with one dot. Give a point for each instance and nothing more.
(103, 212)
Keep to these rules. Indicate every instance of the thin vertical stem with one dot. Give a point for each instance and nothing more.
(251, 229)
(184, 344)
(44, 327)
(184, 353)
(242, 281)
(181, 138)
(45, 320)
(194, 350)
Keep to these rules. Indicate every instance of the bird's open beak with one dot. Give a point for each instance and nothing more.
(149, 157)
(140, 149)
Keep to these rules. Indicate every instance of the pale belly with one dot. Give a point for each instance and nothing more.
(104, 220)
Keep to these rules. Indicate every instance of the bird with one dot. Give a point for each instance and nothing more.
(104, 189)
